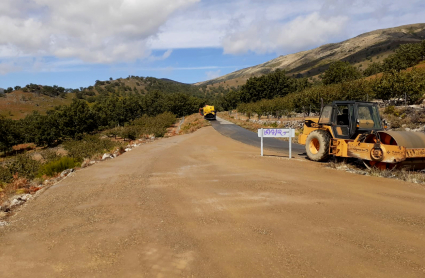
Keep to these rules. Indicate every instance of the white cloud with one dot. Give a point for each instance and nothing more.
(213, 74)
(95, 31)
(205, 24)
(6, 67)
(164, 56)
(119, 31)
(40, 64)
(281, 26)
(300, 33)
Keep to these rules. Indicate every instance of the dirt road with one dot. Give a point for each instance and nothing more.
(204, 205)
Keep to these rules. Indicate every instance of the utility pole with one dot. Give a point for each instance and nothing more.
(405, 99)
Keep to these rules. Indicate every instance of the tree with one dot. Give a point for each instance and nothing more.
(406, 56)
(9, 134)
(339, 72)
(79, 95)
(274, 84)
(42, 129)
(398, 84)
(182, 104)
(423, 49)
(154, 103)
(76, 119)
(373, 69)
(129, 132)
(228, 101)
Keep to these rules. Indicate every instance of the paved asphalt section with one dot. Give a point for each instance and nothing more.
(245, 136)
(205, 205)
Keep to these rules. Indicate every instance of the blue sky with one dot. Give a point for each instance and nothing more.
(73, 43)
(188, 65)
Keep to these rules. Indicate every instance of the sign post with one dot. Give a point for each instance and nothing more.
(276, 133)
(262, 138)
(290, 143)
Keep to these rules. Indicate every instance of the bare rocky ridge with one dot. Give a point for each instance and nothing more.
(355, 50)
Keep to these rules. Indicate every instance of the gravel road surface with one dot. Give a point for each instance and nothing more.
(205, 205)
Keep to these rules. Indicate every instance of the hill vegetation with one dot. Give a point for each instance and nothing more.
(79, 118)
(276, 94)
(17, 103)
(361, 52)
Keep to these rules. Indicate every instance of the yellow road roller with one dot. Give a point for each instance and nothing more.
(353, 129)
(208, 112)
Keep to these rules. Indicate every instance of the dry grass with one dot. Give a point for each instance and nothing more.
(398, 174)
(227, 84)
(18, 104)
(400, 118)
(378, 75)
(19, 185)
(192, 123)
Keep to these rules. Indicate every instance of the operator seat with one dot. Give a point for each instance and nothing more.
(343, 118)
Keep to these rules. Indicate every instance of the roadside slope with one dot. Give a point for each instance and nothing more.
(205, 205)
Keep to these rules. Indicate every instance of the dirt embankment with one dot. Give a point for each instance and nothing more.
(202, 205)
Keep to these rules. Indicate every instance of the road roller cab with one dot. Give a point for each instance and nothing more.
(345, 120)
(353, 129)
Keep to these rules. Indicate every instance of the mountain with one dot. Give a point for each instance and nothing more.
(360, 51)
(173, 81)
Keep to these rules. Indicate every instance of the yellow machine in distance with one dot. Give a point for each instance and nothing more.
(352, 129)
(208, 112)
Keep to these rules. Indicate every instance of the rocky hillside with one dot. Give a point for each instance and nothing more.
(361, 51)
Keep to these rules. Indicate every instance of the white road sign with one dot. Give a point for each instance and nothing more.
(277, 132)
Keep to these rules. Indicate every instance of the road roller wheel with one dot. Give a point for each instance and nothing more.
(379, 165)
(317, 145)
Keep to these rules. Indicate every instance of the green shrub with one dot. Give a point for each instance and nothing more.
(24, 165)
(155, 125)
(391, 110)
(130, 132)
(5, 175)
(89, 146)
(113, 132)
(52, 168)
(49, 155)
